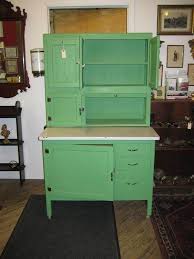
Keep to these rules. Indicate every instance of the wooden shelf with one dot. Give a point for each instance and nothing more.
(14, 112)
(7, 167)
(12, 142)
(171, 148)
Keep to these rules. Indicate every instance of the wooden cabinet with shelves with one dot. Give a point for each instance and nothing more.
(100, 78)
(173, 121)
(15, 113)
(98, 144)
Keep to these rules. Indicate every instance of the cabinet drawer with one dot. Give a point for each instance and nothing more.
(132, 164)
(132, 148)
(132, 190)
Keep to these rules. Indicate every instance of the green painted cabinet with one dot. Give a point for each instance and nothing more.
(98, 170)
(98, 67)
(98, 91)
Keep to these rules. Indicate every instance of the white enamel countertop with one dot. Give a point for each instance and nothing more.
(100, 133)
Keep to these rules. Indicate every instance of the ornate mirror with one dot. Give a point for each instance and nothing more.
(13, 74)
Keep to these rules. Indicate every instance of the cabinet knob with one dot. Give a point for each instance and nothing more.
(49, 189)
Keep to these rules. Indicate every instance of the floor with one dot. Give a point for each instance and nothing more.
(135, 233)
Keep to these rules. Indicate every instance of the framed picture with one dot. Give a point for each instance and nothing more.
(191, 74)
(175, 55)
(171, 84)
(175, 19)
(11, 66)
(11, 52)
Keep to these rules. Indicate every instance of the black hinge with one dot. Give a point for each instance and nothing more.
(111, 177)
(49, 189)
(47, 151)
(48, 99)
(81, 109)
(49, 118)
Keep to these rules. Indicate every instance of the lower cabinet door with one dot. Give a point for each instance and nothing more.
(78, 172)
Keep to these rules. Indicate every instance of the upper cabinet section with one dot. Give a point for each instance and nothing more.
(101, 60)
(62, 61)
(13, 74)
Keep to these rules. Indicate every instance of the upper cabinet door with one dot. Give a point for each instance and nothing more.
(154, 62)
(62, 61)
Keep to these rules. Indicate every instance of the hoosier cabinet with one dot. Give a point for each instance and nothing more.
(98, 144)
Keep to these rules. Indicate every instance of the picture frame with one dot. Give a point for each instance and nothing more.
(11, 52)
(171, 84)
(11, 66)
(191, 74)
(175, 56)
(175, 19)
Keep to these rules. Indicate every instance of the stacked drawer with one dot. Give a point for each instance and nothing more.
(132, 170)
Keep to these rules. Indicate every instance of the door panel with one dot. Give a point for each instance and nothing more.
(62, 62)
(64, 110)
(154, 62)
(80, 172)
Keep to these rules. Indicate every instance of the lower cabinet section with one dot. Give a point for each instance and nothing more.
(98, 170)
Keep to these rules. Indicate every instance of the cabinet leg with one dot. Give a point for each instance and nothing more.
(149, 208)
(49, 208)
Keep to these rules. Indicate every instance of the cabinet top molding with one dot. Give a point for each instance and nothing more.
(100, 133)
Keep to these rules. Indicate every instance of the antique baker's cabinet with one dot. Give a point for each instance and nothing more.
(98, 144)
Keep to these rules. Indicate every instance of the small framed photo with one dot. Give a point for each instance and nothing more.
(11, 52)
(175, 55)
(171, 84)
(175, 19)
(191, 74)
(11, 66)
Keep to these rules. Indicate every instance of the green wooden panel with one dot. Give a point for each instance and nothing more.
(115, 110)
(154, 62)
(111, 75)
(115, 51)
(62, 62)
(63, 110)
(79, 172)
(134, 171)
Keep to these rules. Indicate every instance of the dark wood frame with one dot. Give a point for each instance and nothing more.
(175, 32)
(8, 90)
(167, 56)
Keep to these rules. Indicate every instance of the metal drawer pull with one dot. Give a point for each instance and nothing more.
(133, 164)
(131, 183)
(133, 149)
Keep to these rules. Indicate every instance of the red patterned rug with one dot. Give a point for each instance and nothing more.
(173, 222)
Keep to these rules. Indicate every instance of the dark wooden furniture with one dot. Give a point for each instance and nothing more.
(14, 112)
(174, 159)
(13, 74)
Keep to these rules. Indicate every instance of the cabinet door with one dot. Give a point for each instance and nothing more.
(64, 110)
(62, 61)
(79, 172)
(154, 62)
